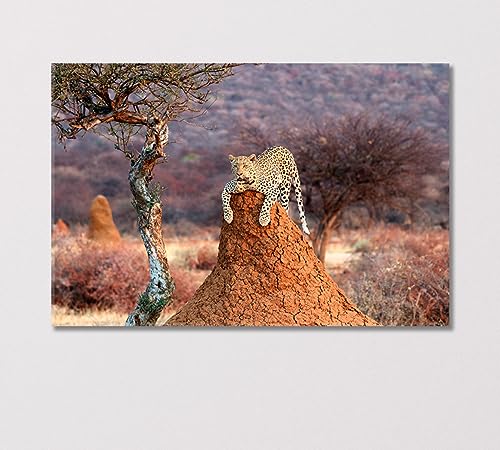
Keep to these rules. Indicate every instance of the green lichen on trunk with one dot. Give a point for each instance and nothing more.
(148, 309)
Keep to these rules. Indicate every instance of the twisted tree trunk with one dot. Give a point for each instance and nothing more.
(147, 203)
(322, 236)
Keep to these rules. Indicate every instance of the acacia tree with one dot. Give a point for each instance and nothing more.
(374, 162)
(121, 101)
(358, 160)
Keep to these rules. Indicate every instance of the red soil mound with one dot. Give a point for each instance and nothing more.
(60, 228)
(267, 276)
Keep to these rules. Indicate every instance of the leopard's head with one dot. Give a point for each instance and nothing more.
(243, 168)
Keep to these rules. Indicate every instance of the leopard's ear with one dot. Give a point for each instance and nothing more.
(231, 158)
(252, 157)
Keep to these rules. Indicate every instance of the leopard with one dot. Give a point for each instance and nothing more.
(272, 173)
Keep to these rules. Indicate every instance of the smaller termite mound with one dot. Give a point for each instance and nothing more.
(267, 276)
(60, 228)
(102, 228)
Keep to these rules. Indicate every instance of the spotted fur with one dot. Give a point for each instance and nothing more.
(271, 173)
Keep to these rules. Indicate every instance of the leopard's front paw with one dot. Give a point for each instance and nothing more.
(228, 215)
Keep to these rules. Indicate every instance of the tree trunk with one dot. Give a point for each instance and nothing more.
(147, 203)
(323, 235)
(327, 232)
(318, 239)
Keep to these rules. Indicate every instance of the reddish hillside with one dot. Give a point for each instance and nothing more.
(268, 96)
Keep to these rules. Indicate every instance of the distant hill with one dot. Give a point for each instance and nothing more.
(267, 96)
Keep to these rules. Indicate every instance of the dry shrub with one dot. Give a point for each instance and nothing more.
(89, 275)
(192, 254)
(191, 230)
(206, 258)
(405, 281)
(185, 288)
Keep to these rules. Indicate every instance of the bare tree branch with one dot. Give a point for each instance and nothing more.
(359, 160)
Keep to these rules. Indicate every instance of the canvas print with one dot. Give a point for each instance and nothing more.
(250, 194)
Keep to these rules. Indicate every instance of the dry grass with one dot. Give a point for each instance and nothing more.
(399, 277)
(67, 317)
(191, 253)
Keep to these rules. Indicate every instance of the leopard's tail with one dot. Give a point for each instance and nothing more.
(300, 204)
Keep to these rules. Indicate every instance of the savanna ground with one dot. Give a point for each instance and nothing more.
(397, 276)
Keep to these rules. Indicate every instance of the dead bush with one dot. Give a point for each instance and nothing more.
(203, 258)
(405, 281)
(206, 258)
(88, 275)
